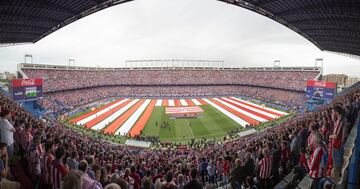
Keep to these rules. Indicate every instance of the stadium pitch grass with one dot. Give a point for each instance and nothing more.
(211, 124)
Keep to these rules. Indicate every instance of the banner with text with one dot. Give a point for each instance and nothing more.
(24, 90)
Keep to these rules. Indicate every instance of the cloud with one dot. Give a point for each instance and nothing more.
(176, 29)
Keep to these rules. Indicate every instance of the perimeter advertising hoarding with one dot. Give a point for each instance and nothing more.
(320, 90)
(24, 90)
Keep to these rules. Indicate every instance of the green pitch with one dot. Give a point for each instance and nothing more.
(212, 124)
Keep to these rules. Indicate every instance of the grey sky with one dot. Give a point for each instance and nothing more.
(176, 29)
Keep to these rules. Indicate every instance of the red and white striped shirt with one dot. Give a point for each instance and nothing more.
(309, 141)
(26, 140)
(317, 163)
(336, 143)
(58, 172)
(265, 166)
(45, 167)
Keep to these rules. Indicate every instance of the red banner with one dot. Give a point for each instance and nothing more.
(324, 84)
(26, 82)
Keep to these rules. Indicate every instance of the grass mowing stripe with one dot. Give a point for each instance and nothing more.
(224, 123)
(213, 123)
(199, 128)
(151, 129)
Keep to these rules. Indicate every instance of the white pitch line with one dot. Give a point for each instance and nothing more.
(248, 114)
(113, 116)
(230, 115)
(129, 123)
(196, 102)
(158, 102)
(87, 119)
(183, 102)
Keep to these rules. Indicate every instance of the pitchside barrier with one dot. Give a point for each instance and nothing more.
(247, 132)
(137, 143)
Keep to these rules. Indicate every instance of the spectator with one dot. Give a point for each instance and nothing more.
(34, 154)
(4, 169)
(265, 169)
(211, 169)
(237, 175)
(88, 183)
(104, 177)
(178, 161)
(7, 131)
(295, 147)
(112, 186)
(180, 181)
(72, 180)
(128, 178)
(46, 159)
(168, 183)
(136, 177)
(122, 183)
(57, 168)
(26, 137)
(193, 183)
(147, 184)
(316, 162)
(337, 139)
(89, 159)
(248, 168)
(72, 162)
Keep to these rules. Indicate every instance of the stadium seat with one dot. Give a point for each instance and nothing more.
(305, 183)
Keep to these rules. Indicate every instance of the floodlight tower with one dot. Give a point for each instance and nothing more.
(28, 56)
(276, 63)
(319, 62)
(71, 60)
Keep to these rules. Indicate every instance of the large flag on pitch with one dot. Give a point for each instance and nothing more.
(183, 110)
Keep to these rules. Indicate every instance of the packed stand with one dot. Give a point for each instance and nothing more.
(57, 80)
(75, 98)
(58, 157)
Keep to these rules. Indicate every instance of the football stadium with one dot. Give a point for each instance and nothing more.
(178, 123)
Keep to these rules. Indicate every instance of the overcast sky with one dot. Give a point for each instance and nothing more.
(176, 29)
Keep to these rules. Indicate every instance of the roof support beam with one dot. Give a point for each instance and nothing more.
(13, 26)
(42, 4)
(338, 9)
(24, 17)
(265, 2)
(306, 27)
(323, 18)
(334, 33)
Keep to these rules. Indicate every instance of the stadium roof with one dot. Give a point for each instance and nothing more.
(31, 20)
(331, 25)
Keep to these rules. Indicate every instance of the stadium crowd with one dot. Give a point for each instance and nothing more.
(58, 157)
(55, 80)
(74, 98)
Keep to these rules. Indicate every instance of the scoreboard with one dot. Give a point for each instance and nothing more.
(24, 90)
(320, 90)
